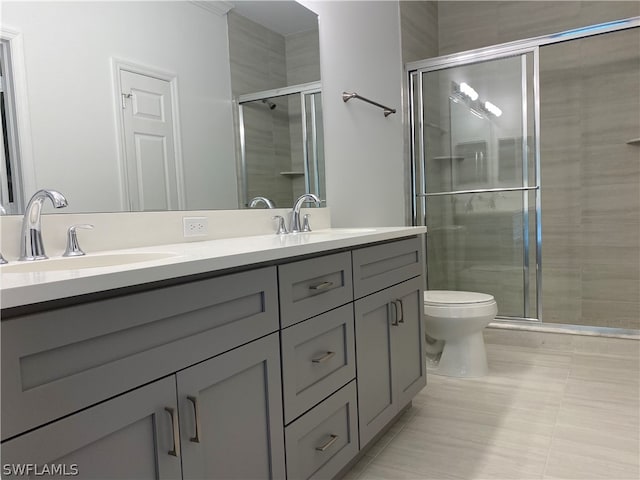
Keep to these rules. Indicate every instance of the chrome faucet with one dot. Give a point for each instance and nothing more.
(295, 213)
(256, 200)
(31, 245)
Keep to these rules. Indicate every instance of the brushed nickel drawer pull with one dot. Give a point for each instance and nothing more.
(321, 286)
(400, 309)
(194, 401)
(394, 316)
(333, 439)
(324, 357)
(175, 451)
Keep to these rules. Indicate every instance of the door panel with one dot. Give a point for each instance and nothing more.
(408, 342)
(477, 181)
(126, 437)
(153, 173)
(376, 405)
(238, 401)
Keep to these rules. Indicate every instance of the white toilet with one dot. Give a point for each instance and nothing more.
(458, 318)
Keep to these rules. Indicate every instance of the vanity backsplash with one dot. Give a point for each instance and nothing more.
(114, 231)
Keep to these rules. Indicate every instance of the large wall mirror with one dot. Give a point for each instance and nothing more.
(132, 106)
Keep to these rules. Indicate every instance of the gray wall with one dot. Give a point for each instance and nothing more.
(468, 25)
(360, 51)
(590, 97)
(419, 30)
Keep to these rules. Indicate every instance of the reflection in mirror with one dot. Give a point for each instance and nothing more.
(129, 105)
(283, 130)
(275, 78)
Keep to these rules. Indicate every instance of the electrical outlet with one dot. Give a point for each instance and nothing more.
(195, 226)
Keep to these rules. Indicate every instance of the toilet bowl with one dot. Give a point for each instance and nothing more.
(457, 319)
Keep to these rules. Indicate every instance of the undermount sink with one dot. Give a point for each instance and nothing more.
(89, 261)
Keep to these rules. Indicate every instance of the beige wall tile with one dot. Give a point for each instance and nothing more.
(419, 30)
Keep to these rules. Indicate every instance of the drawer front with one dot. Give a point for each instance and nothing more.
(57, 362)
(321, 442)
(380, 266)
(318, 357)
(313, 286)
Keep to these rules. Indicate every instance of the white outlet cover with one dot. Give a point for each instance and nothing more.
(195, 226)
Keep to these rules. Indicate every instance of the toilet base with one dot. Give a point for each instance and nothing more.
(463, 357)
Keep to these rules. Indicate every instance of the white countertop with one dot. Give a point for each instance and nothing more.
(18, 289)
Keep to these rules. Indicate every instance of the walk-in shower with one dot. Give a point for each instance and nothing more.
(281, 144)
(525, 170)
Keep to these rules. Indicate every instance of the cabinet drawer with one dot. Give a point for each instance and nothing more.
(318, 357)
(381, 266)
(313, 286)
(59, 361)
(321, 442)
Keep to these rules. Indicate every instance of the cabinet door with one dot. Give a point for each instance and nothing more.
(376, 403)
(407, 341)
(127, 437)
(231, 414)
(389, 353)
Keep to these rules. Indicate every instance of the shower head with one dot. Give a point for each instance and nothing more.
(269, 103)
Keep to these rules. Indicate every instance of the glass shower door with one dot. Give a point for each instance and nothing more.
(476, 179)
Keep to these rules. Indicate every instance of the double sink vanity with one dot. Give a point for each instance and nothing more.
(254, 357)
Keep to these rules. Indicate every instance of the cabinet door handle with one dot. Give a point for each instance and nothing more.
(332, 439)
(401, 309)
(324, 357)
(196, 415)
(321, 286)
(394, 322)
(175, 451)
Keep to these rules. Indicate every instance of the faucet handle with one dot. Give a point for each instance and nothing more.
(305, 223)
(73, 247)
(282, 229)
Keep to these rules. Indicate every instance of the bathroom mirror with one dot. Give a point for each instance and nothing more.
(133, 105)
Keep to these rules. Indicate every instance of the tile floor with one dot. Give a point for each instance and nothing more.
(545, 411)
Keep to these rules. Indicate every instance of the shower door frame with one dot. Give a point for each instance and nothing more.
(415, 71)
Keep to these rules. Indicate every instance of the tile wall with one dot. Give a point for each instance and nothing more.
(590, 96)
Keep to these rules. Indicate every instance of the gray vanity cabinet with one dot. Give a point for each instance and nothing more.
(127, 437)
(222, 377)
(228, 426)
(390, 354)
(231, 415)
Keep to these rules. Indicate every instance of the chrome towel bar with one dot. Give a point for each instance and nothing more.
(346, 96)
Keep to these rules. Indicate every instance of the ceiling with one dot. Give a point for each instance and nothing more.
(283, 17)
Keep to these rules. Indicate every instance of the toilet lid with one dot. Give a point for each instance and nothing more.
(450, 297)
